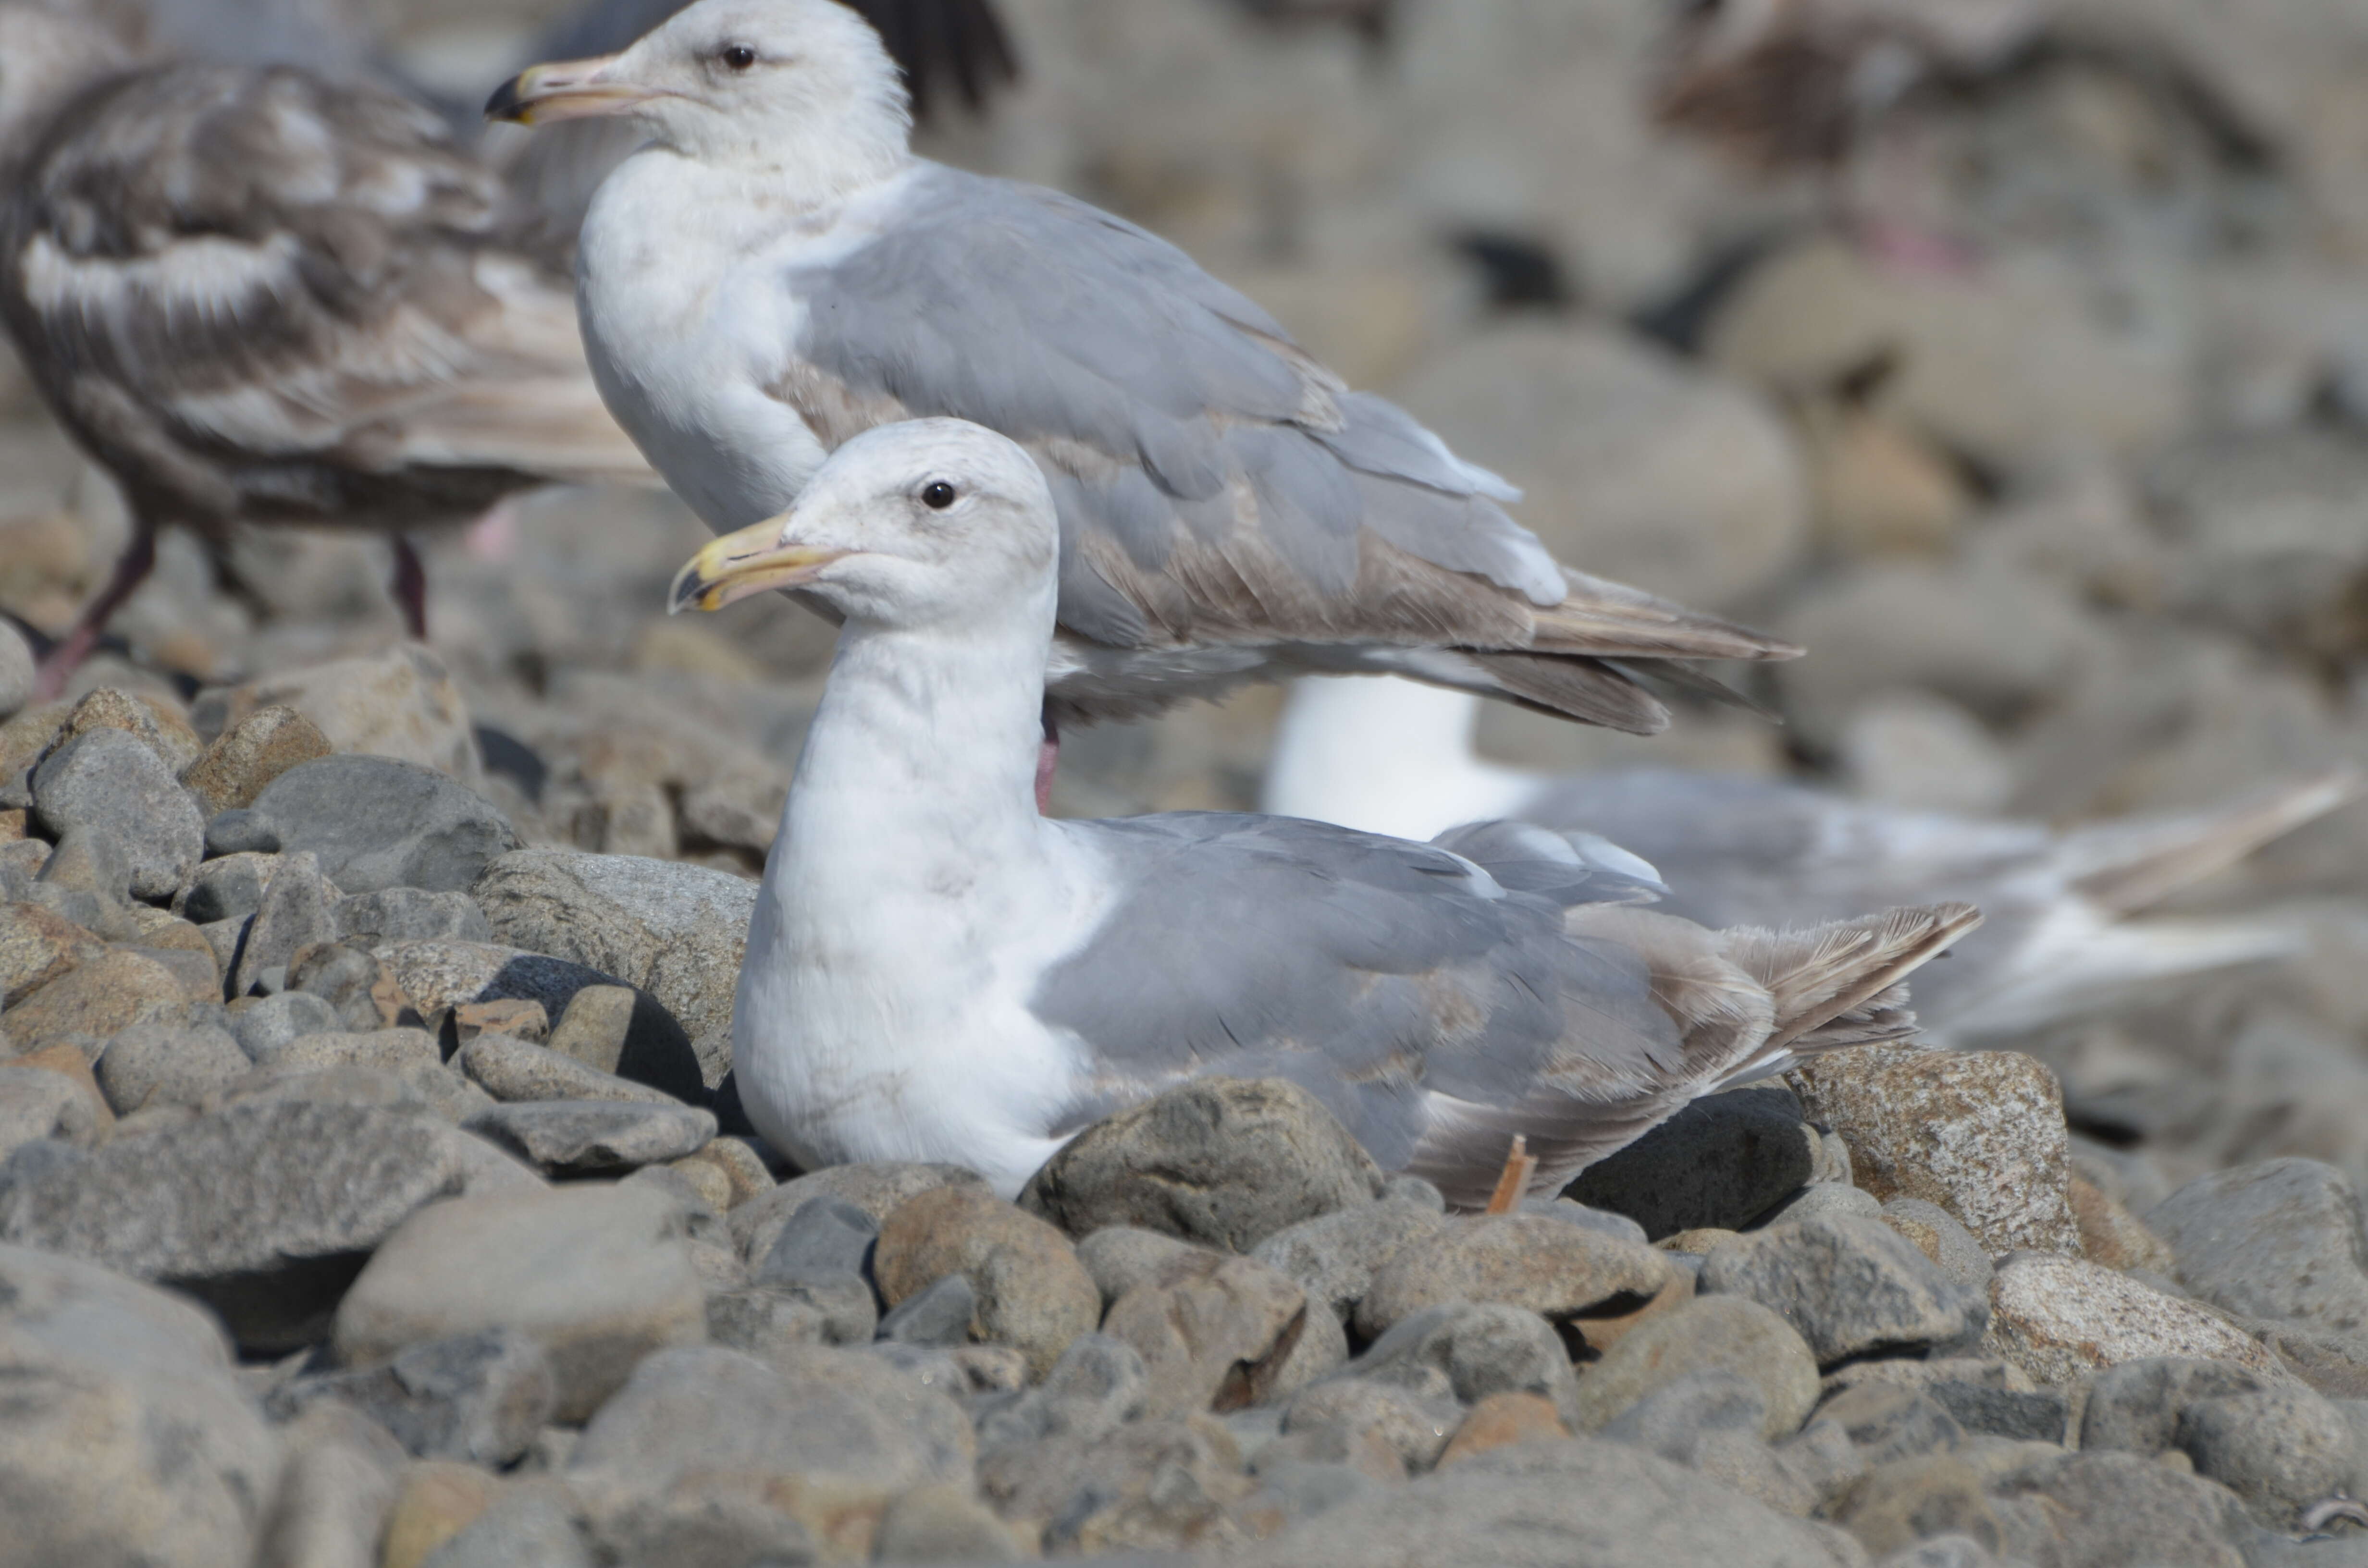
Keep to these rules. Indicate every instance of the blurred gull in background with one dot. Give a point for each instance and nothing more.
(1391, 756)
(255, 294)
(775, 273)
(1439, 1000)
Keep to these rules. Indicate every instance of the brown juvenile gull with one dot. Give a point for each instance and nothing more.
(774, 272)
(937, 971)
(2063, 936)
(257, 295)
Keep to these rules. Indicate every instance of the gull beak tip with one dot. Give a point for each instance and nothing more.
(509, 104)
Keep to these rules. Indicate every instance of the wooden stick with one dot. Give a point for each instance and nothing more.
(1514, 1184)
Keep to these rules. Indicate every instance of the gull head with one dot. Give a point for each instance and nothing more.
(933, 522)
(755, 84)
(45, 59)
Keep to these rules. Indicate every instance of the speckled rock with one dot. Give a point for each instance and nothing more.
(1710, 1333)
(599, 1276)
(1226, 1161)
(1940, 1236)
(2113, 1236)
(1350, 1412)
(2064, 1318)
(36, 947)
(1850, 1285)
(374, 823)
(411, 914)
(250, 754)
(169, 1064)
(294, 915)
(1565, 1273)
(35, 1105)
(2117, 1508)
(263, 1211)
(586, 1137)
(512, 1068)
(110, 783)
(1979, 1133)
(675, 930)
(400, 703)
(481, 1397)
(406, 1052)
(1032, 1292)
(1149, 1486)
(97, 1000)
(150, 718)
(1468, 1350)
(878, 1189)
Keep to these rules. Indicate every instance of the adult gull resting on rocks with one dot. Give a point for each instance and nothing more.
(935, 972)
(774, 272)
(2062, 935)
(254, 294)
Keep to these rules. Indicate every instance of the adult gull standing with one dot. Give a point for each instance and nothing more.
(774, 273)
(2068, 929)
(936, 971)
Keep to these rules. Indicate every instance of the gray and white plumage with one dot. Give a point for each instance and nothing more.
(2062, 934)
(260, 294)
(774, 273)
(936, 971)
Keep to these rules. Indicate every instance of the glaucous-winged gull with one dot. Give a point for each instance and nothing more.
(2060, 936)
(774, 272)
(255, 294)
(935, 972)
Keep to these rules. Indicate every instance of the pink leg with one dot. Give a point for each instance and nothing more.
(411, 587)
(139, 559)
(1048, 760)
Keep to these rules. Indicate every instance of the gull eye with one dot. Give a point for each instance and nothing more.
(739, 56)
(938, 496)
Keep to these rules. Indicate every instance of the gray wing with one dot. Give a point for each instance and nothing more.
(1216, 484)
(1388, 978)
(253, 293)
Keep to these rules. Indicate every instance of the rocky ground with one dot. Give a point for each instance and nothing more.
(372, 1193)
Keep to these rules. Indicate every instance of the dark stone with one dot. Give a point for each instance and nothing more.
(1719, 1164)
(2003, 1412)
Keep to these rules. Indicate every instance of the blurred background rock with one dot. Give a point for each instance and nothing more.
(2016, 362)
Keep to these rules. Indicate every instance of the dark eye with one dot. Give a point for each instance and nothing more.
(739, 56)
(938, 496)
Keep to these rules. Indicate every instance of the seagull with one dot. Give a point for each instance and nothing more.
(774, 272)
(2061, 937)
(935, 971)
(255, 294)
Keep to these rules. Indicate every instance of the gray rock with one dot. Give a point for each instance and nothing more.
(1719, 1164)
(1713, 1334)
(1951, 1246)
(1467, 1351)
(1032, 1293)
(1215, 1333)
(827, 1416)
(16, 670)
(1570, 1211)
(1119, 1257)
(2062, 1319)
(2117, 1508)
(533, 1523)
(941, 1523)
(580, 1137)
(1565, 1273)
(1849, 1285)
(2281, 1448)
(877, 1190)
(1149, 1483)
(512, 1068)
(109, 782)
(940, 1316)
(294, 915)
(599, 1276)
(701, 1527)
(1225, 1162)
(1884, 1422)
(263, 1211)
(334, 1492)
(2038, 1416)
(826, 1235)
(374, 823)
(1952, 1550)
(228, 888)
(1350, 1412)
(37, 1105)
(410, 1054)
(1549, 1504)
(2281, 1239)
(1711, 1422)
(477, 1397)
(1099, 1384)
(2136, 1406)
(352, 980)
(127, 1439)
(169, 1064)
(676, 931)
(264, 1027)
(814, 1307)
(399, 915)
